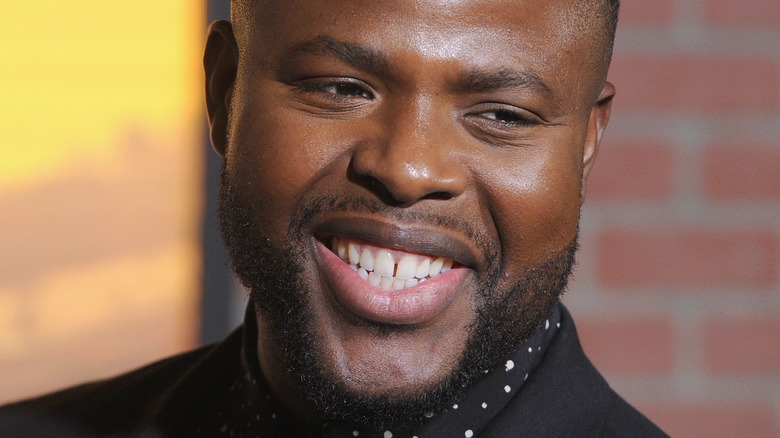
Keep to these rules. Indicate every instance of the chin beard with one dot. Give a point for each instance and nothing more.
(280, 294)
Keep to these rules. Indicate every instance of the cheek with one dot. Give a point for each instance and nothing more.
(278, 157)
(534, 200)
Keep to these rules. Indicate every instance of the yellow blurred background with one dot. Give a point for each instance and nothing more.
(100, 187)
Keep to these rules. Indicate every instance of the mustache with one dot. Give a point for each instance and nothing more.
(308, 209)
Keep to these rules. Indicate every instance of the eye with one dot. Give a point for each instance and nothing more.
(337, 89)
(347, 89)
(501, 123)
(510, 117)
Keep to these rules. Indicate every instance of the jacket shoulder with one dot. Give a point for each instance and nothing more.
(100, 408)
(623, 420)
(565, 396)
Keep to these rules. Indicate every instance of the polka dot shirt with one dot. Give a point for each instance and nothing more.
(254, 412)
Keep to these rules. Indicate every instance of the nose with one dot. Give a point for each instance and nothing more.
(412, 155)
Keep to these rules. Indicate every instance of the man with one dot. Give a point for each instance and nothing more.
(401, 191)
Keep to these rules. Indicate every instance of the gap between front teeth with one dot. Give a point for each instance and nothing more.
(378, 268)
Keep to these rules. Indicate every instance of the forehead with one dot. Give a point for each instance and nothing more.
(544, 36)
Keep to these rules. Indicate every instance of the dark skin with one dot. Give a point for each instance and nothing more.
(488, 112)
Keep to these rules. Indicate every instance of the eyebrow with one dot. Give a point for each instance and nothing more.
(355, 55)
(482, 82)
(367, 59)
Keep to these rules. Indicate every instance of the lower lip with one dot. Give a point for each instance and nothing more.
(413, 305)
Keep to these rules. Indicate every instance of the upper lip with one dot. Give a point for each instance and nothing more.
(403, 236)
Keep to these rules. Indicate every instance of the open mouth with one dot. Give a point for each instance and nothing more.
(385, 268)
(411, 280)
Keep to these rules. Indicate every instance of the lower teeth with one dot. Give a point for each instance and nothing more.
(386, 283)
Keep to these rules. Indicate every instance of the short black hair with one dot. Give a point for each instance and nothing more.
(613, 7)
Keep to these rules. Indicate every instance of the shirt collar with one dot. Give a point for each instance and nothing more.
(261, 415)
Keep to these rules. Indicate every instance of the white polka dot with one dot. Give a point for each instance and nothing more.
(455, 406)
(469, 433)
(547, 325)
(484, 405)
(355, 433)
(530, 349)
(558, 325)
(509, 365)
(526, 377)
(507, 389)
(388, 434)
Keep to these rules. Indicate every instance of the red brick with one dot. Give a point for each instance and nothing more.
(751, 13)
(634, 13)
(714, 421)
(631, 171)
(628, 345)
(696, 83)
(743, 346)
(742, 171)
(687, 257)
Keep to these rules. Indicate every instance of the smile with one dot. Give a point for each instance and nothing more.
(385, 268)
(390, 272)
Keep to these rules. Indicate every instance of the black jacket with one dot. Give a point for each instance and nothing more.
(179, 397)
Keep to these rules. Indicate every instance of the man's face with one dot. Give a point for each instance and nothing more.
(402, 183)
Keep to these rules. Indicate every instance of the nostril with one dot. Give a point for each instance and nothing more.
(441, 196)
(375, 186)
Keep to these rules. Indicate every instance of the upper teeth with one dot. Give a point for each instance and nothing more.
(379, 267)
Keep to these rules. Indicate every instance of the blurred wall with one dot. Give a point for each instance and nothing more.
(677, 293)
(99, 187)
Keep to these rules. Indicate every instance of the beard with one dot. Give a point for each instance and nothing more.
(505, 316)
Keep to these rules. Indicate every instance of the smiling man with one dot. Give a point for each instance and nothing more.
(401, 192)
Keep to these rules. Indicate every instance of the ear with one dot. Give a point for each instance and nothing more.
(599, 116)
(220, 61)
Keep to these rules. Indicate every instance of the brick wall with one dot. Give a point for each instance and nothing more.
(677, 292)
